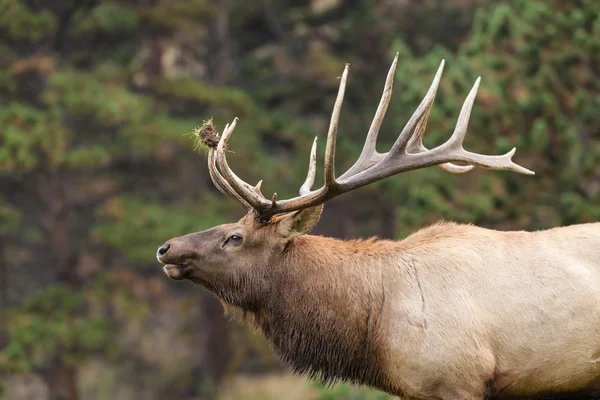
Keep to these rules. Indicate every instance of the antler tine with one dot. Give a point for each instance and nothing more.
(422, 112)
(221, 183)
(415, 145)
(312, 170)
(460, 131)
(250, 194)
(331, 134)
(369, 155)
(454, 146)
(457, 139)
(218, 180)
(214, 173)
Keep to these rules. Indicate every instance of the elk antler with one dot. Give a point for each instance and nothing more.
(408, 153)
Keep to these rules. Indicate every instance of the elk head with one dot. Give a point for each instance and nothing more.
(233, 258)
(223, 259)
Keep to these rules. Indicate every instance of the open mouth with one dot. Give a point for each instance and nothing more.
(176, 271)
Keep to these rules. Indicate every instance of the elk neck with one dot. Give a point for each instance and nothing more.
(324, 306)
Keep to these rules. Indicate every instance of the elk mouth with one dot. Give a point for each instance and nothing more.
(176, 271)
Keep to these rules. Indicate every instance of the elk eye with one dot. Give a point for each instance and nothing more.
(235, 239)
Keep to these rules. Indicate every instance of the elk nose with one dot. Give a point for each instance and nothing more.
(163, 249)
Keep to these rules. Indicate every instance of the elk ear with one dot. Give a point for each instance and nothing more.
(301, 222)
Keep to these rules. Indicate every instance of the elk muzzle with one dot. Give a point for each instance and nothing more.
(173, 263)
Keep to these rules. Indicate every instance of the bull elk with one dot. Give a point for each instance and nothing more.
(451, 312)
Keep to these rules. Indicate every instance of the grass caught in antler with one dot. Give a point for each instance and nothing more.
(205, 136)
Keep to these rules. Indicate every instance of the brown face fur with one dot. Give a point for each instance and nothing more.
(231, 260)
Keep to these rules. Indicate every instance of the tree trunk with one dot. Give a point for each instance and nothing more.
(218, 61)
(61, 381)
(57, 227)
(388, 220)
(3, 299)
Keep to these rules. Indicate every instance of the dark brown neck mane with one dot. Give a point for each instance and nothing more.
(323, 309)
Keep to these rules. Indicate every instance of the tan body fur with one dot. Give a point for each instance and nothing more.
(519, 309)
(459, 308)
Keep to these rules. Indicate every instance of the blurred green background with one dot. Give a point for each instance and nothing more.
(97, 169)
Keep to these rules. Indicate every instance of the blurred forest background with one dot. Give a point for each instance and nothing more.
(97, 169)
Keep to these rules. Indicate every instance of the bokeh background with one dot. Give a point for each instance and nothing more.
(97, 168)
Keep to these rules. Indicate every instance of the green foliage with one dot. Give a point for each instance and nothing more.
(110, 18)
(99, 107)
(201, 94)
(54, 324)
(86, 157)
(32, 137)
(9, 217)
(19, 22)
(136, 226)
(103, 102)
(149, 134)
(30, 133)
(172, 16)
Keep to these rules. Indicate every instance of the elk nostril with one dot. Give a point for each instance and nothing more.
(163, 249)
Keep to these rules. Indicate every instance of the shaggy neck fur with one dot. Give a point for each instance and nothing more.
(323, 310)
